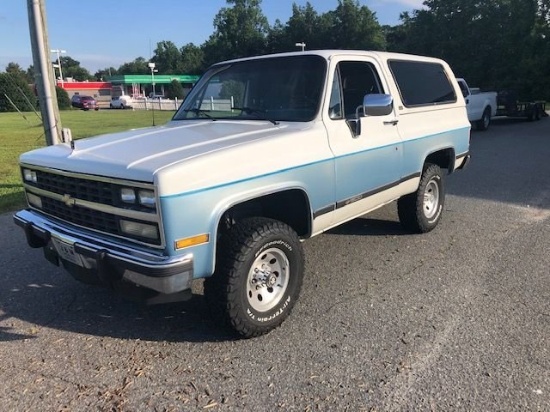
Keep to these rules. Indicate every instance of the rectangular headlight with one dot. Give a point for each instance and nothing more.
(128, 195)
(34, 200)
(147, 198)
(139, 229)
(29, 175)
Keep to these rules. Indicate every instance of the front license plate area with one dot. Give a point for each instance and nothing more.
(66, 252)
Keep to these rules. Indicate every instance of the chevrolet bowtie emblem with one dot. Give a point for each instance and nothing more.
(68, 200)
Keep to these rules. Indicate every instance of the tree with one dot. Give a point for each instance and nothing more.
(305, 25)
(16, 70)
(239, 31)
(499, 44)
(192, 59)
(167, 57)
(277, 40)
(71, 69)
(138, 66)
(102, 74)
(174, 90)
(16, 94)
(349, 26)
(354, 27)
(233, 90)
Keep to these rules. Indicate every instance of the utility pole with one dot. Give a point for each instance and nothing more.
(43, 72)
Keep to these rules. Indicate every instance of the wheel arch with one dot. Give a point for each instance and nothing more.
(289, 205)
(444, 158)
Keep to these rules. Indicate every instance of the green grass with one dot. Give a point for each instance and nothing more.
(20, 133)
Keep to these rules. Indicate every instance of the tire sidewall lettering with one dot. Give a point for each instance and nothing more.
(285, 304)
(268, 318)
(275, 243)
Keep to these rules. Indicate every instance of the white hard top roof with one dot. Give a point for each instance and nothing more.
(329, 54)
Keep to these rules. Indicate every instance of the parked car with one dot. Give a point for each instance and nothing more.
(480, 106)
(156, 97)
(84, 102)
(121, 102)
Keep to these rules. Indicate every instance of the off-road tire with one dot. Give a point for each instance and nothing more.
(258, 276)
(421, 211)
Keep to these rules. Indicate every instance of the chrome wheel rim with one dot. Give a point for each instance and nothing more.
(431, 199)
(267, 280)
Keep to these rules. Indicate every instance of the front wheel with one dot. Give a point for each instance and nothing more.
(258, 275)
(421, 211)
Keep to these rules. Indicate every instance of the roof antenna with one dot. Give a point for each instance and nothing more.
(153, 70)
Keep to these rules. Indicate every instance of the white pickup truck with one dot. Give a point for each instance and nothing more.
(481, 106)
(228, 193)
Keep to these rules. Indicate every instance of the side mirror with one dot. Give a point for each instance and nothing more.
(377, 104)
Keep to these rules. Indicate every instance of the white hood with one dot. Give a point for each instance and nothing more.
(139, 154)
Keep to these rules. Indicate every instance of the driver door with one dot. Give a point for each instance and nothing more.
(368, 163)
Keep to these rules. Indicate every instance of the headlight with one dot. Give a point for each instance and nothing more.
(147, 198)
(139, 229)
(128, 195)
(29, 175)
(34, 200)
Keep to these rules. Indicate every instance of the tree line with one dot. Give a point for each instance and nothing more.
(494, 44)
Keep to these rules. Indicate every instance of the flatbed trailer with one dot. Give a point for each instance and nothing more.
(508, 105)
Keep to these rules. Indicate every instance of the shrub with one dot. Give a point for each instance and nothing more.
(63, 100)
(16, 94)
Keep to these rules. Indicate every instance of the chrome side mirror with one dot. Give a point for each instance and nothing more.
(377, 104)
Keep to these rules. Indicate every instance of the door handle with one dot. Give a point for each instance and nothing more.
(391, 122)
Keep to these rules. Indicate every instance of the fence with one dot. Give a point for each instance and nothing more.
(167, 104)
(156, 104)
(217, 104)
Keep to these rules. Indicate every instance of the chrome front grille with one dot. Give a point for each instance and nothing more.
(93, 219)
(90, 190)
(91, 202)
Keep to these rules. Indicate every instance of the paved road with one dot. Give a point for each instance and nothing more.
(457, 319)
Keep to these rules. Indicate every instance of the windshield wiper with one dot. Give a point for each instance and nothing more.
(198, 112)
(260, 114)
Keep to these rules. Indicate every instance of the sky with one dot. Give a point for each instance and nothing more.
(108, 33)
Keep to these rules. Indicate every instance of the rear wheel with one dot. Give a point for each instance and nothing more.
(483, 123)
(421, 211)
(258, 276)
(537, 113)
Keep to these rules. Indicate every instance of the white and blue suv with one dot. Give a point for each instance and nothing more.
(263, 154)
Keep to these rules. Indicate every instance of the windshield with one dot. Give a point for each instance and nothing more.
(274, 89)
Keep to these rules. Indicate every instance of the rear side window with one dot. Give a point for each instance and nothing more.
(422, 83)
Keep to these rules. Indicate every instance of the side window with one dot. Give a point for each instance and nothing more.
(463, 88)
(335, 105)
(422, 83)
(357, 79)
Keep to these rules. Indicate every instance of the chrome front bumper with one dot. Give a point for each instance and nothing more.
(109, 262)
